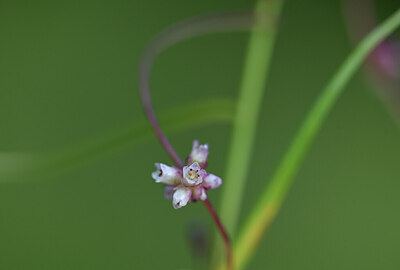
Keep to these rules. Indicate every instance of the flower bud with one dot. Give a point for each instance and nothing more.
(166, 174)
(199, 193)
(199, 154)
(211, 181)
(181, 197)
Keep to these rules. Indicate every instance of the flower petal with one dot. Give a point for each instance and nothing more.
(211, 181)
(181, 197)
(166, 174)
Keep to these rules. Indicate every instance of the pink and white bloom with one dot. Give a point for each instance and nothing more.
(181, 197)
(193, 175)
(166, 174)
(189, 183)
(199, 154)
(199, 194)
(211, 181)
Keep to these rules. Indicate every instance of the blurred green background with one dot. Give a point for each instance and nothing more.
(68, 73)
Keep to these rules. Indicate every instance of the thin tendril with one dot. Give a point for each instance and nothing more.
(219, 22)
(240, 20)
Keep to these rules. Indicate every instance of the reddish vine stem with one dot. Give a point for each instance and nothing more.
(219, 22)
(224, 234)
(239, 20)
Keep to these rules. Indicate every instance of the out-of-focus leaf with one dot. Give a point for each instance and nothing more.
(39, 166)
(275, 192)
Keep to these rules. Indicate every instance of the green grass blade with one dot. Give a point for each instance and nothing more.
(254, 78)
(38, 166)
(274, 194)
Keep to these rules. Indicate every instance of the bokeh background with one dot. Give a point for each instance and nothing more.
(68, 73)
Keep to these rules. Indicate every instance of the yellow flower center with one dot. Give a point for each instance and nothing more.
(193, 175)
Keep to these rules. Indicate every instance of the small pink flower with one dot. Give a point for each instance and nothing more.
(199, 194)
(181, 197)
(199, 154)
(166, 174)
(189, 183)
(193, 175)
(211, 181)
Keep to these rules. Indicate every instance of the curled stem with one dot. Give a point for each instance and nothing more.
(219, 22)
(180, 31)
